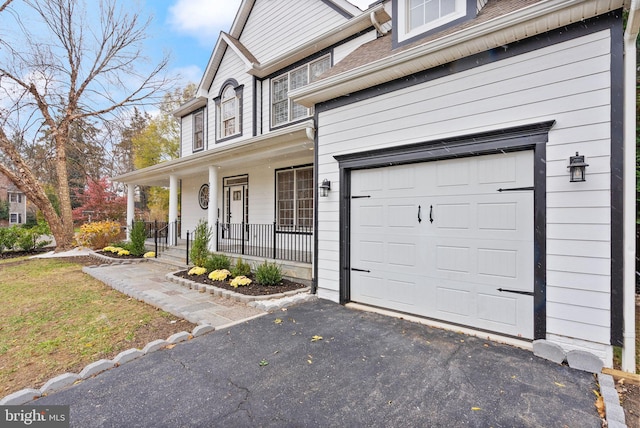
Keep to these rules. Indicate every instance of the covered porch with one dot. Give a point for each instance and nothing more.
(256, 194)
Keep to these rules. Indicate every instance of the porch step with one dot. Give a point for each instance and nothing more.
(173, 256)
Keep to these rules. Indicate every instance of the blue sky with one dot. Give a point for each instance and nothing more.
(188, 30)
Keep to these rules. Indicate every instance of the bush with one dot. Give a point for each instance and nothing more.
(268, 274)
(241, 268)
(97, 234)
(9, 238)
(217, 261)
(200, 250)
(138, 237)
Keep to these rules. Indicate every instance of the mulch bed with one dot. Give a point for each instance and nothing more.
(14, 254)
(253, 289)
(116, 255)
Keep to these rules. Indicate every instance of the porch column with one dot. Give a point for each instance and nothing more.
(212, 211)
(131, 208)
(173, 207)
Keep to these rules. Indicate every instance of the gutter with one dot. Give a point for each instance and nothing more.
(629, 187)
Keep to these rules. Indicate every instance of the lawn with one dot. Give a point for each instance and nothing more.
(56, 319)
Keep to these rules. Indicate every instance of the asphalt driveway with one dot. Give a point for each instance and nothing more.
(367, 370)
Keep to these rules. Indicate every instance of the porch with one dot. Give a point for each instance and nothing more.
(291, 247)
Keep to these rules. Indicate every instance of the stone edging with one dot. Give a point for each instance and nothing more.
(588, 362)
(238, 297)
(68, 379)
(115, 261)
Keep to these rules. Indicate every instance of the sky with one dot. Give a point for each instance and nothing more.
(188, 30)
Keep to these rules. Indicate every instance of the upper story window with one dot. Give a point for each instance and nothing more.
(228, 110)
(198, 131)
(415, 17)
(15, 198)
(284, 110)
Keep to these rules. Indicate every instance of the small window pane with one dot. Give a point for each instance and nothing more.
(198, 128)
(299, 78)
(318, 67)
(298, 111)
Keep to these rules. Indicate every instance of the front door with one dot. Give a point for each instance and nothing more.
(236, 209)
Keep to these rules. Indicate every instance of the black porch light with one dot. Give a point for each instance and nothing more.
(325, 187)
(577, 168)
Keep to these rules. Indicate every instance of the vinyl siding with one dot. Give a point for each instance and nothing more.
(567, 82)
(187, 135)
(275, 27)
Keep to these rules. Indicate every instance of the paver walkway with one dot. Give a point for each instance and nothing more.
(146, 281)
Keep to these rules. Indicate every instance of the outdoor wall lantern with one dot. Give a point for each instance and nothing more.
(325, 187)
(576, 168)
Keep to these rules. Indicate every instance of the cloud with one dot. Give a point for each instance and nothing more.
(188, 74)
(202, 19)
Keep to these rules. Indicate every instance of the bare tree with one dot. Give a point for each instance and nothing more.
(65, 66)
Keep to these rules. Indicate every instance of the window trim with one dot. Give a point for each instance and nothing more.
(290, 104)
(197, 113)
(239, 90)
(465, 10)
(296, 220)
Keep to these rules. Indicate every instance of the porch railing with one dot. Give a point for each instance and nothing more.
(164, 234)
(266, 240)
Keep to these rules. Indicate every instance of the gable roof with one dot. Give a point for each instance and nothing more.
(499, 23)
(357, 21)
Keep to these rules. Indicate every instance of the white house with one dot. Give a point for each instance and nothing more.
(441, 132)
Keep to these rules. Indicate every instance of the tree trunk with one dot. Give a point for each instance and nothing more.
(66, 216)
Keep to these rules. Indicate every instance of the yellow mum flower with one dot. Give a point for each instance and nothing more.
(149, 255)
(219, 275)
(196, 270)
(240, 281)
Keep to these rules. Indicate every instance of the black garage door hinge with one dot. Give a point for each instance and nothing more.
(360, 196)
(516, 189)
(360, 270)
(526, 293)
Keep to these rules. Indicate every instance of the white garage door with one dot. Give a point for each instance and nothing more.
(439, 240)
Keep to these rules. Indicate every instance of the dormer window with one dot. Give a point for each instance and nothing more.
(229, 110)
(283, 110)
(420, 17)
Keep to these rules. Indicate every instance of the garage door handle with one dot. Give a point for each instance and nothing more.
(431, 214)
(419, 218)
(360, 270)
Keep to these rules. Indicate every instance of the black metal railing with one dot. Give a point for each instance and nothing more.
(265, 240)
(164, 234)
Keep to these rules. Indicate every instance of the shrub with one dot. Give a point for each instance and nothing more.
(200, 249)
(216, 261)
(268, 274)
(241, 268)
(138, 237)
(219, 275)
(240, 281)
(9, 238)
(97, 234)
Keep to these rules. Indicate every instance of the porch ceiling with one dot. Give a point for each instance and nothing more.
(291, 142)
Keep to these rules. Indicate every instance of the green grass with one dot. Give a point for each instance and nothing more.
(56, 319)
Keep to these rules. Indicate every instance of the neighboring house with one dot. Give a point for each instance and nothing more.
(440, 132)
(17, 202)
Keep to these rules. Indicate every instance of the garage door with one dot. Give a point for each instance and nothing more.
(450, 240)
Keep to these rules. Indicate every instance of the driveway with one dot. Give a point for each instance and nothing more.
(367, 370)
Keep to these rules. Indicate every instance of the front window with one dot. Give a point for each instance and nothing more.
(198, 131)
(284, 110)
(15, 198)
(295, 198)
(15, 218)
